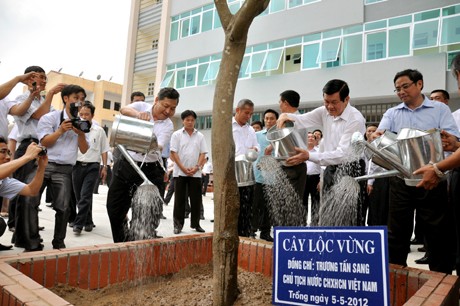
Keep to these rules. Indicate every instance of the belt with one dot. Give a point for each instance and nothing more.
(56, 164)
(86, 164)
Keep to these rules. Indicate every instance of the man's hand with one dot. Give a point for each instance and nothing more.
(27, 78)
(301, 156)
(430, 180)
(268, 150)
(369, 189)
(56, 89)
(65, 126)
(376, 134)
(32, 151)
(449, 142)
(282, 120)
(42, 161)
(144, 116)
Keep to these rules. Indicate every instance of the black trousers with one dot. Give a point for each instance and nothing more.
(297, 176)
(433, 208)
(108, 179)
(84, 177)
(245, 215)
(187, 187)
(311, 189)
(260, 214)
(205, 183)
(454, 192)
(379, 202)
(125, 181)
(332, 175)
(26, 233)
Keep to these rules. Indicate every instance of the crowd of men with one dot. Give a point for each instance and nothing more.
(67, 152)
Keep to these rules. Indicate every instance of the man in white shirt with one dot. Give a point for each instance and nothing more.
(188, 151)
(312, 182)
(245, 138)
(338, 120)
(86, 171)
(125, 179)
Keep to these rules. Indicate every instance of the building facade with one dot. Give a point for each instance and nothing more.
(300, 45)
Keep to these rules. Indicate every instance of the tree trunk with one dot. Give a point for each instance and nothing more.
(226, 196)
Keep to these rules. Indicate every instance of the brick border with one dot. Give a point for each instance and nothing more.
(25, 278)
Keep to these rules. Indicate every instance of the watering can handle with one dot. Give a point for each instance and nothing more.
(132, 162)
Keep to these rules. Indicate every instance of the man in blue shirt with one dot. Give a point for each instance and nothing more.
(417, 111)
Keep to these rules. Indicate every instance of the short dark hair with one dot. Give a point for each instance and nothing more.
(273, 112)
(291, 97)
(3, 140)
(90, 106)
(339, 86)
(187, 113)
(413, 74)
(257, 122)
(168, 93)
(444, 93)
(318, 130)
(71, 89)
(137, 94)
(455, 65)
(34, 69)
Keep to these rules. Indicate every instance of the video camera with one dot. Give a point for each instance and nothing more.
(82, 125)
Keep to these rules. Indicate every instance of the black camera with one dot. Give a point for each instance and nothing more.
(43, 152)
(82, 125)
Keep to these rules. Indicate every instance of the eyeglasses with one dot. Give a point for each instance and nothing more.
(404, 86)
(5, 151)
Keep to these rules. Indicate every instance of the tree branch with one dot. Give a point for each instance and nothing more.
(249, 10)
(224, 13)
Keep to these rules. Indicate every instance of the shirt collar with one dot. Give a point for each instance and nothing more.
(345, 114)
(427, 103)
(184, 131)
(235, 122)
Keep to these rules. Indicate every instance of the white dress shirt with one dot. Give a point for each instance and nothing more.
(456, 116)
(244, 138)
(337, 132)
(98, 144)
(312, 167)
(5, 106)
(188, 148)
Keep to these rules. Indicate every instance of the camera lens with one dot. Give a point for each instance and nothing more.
(43, 152)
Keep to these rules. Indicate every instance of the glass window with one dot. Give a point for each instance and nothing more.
(217, 23)
(399, 20)
(174, 31)
(451, 10)
(426, 15)
(255, 64)
(310, 56)
(312, 37)
(116, 106)
(372, 1)
(375, 25)
(167, 79)
(260, 47)
(294, 3)
(277, 5)
(353, 29)
(329, 50)
(244, 66)
(272, 62)
(399, 42)
(276, 44)
(190, 80)
(180, 79)
(211, 72)
(201, 73)
(106, 104)
(207, 21)
(185, 27)
(376, 46)
(352, 49)
(332, 33)
(195, 27)
(425, 34)
(293, 41)
(450, 33)
(450, 57)
(234, 7)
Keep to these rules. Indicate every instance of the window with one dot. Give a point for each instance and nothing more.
(244, 66)
(207, 21)
(116, 106)
(277, 5)
(255, 64)
(329, 50)
(211, 72)
(106, 104)
(399, 42)
(190, 79)
(151, 89)
(155, 44)
(272, 60)
(425, 34)
(310, 56)
(352, 49)
(372, 1)
(180, 78)
(174, 35)
(450, 33)
(167, 79)
(376, 46)
(294, 3)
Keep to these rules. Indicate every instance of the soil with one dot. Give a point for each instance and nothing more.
(191, 286)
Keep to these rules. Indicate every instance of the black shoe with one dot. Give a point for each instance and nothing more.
(187, 216)
(162, 217)
(11, 229)
(88, 228)
(421, 249)
(177, 231)
(199, 229)
(39, 248)
(157, 236)
(202, 217)
(252, 235)
(71, 224)
(49, 205)
(266, 238)
(423, 261)
(5, 247)
(41, 228)
(212, 221)
(58, 247)
(416, 241)
(77, 230)
(39, 209)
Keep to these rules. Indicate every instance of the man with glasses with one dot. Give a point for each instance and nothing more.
(125, 179)
(419, 112)
(26, 208)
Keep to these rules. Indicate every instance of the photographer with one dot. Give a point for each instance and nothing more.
(62, 139)
(10, 187)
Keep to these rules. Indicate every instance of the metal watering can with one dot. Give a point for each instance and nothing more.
(401, 155)
(284, 141)
(134, 134)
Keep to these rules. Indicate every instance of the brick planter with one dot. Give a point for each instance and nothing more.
(24, 279)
